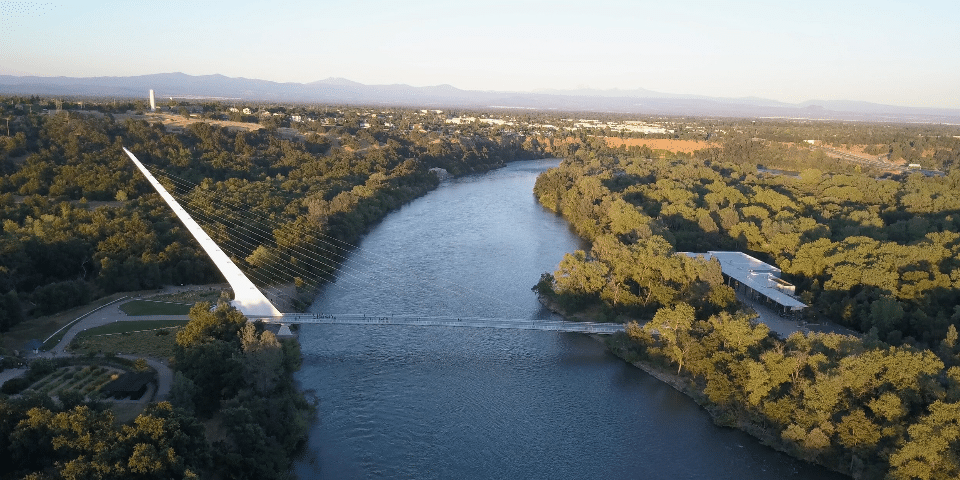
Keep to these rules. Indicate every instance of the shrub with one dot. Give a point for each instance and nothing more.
(9, 362)
(41, 367)
(15, 386)
(141, 365)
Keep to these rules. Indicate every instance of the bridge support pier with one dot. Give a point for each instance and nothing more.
(284, 331)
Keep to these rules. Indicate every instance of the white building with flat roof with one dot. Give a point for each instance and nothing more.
(759, 280)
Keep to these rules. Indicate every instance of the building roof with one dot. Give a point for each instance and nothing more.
(760, 276)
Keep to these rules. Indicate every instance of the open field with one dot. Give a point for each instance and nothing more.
(202, 293)
(146, 338)
(153, 307)
(42, 328)
(171, 120)
(175, 121)
(681, 146)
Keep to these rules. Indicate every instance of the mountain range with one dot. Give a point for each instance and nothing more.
(342, 91)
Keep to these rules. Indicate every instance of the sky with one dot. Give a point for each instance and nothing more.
(889, 52)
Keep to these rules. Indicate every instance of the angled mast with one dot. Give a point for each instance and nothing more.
(247, 297)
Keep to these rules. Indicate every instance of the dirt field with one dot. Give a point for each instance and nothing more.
(683, 146)
(170, 120)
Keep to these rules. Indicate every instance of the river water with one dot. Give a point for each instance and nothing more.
(461, 403)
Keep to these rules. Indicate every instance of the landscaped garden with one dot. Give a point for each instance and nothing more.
(145, 338)
(62, 376)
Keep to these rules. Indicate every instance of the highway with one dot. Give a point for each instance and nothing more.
(877, 162)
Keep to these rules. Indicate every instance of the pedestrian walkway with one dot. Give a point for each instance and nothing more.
(108, 314)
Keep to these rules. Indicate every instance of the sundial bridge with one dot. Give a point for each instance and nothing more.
(250, 301)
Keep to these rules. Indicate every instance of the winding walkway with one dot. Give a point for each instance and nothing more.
(107, 314)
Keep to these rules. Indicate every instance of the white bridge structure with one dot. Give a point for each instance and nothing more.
(474, 322)
(250, 301)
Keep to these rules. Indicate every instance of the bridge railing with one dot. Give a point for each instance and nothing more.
(472, 322)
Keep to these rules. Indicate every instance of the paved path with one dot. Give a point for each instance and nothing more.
(499, 323)
(103, 316)
(11, 373)
(785, 326)
(112, 314)
(164, 376)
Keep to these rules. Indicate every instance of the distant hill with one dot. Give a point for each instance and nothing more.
(343, 91)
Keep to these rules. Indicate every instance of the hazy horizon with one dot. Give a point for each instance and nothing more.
(881, 52)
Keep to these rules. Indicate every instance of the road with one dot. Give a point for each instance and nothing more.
(877, 162)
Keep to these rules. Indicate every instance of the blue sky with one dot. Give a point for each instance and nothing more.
(899, 53)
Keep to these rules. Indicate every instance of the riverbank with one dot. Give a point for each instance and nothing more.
(689, 388)
(620, 345)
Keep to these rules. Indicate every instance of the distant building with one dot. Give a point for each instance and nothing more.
(153, 102)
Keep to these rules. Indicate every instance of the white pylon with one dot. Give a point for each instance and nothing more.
(247, 297)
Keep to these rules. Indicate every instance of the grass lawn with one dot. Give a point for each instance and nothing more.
(201, 294)
(40, 328)
(147, 307)
(146, 338)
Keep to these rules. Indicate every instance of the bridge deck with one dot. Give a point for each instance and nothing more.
(500, 323)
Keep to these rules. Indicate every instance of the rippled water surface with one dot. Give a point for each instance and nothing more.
(414, 402)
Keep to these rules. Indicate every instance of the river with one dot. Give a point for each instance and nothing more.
(445, 403)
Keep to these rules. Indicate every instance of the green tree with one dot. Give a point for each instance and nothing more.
(930, 451)
(208, 324)
(673, 326)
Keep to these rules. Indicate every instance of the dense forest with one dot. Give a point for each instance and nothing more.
(873, 251)
(79, 222)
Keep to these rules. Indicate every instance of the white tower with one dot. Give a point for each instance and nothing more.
(153, 102)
